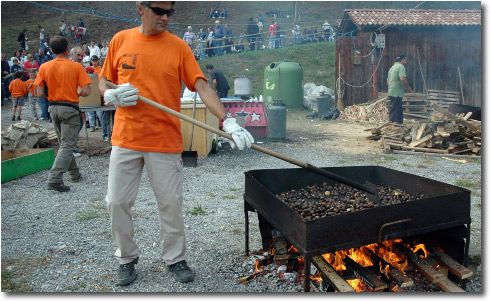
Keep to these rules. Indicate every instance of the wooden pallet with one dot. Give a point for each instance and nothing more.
(444, 98)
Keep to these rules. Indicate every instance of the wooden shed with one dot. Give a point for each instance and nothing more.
(443, 49)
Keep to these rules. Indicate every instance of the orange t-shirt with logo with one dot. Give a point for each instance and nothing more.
(18, 88)
(63, 77)
(155, 65)
(32, 89)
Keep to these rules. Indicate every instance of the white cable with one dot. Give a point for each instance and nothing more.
(362, 86)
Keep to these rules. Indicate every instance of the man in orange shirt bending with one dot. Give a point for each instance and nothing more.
(63, 77)
(145, 136)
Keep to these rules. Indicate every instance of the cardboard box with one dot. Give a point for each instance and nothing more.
(202, 140)
(20, 162)
(93, 100)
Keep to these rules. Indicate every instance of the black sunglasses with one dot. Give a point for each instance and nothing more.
(160, 11)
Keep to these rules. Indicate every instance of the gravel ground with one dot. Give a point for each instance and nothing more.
(61, 242)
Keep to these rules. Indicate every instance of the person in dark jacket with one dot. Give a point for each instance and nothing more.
(5, 81)
(22, 39)
(252, 31)
(220, 84)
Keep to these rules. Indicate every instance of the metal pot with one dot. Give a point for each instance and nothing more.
(243, 86)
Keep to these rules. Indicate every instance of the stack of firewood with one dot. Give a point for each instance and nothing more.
(445, 134)
(375, 112)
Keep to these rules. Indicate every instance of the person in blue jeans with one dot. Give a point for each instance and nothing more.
(219, 32)
(44, 104)
(101, 115)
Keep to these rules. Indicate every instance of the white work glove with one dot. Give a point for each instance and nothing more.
(241, 137)
(123, 96)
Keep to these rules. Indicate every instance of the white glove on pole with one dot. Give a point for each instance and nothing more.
(241, 137)
(124, 95)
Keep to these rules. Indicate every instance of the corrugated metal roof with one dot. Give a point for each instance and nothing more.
(419, 17)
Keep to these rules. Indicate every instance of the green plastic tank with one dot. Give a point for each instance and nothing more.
(284, 80)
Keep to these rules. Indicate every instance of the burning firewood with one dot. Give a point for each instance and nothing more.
(267, 259)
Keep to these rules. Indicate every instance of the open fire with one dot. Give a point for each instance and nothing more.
(388, 266)
(341, 236)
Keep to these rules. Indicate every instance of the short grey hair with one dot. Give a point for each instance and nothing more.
(74, 49)
(143, 3)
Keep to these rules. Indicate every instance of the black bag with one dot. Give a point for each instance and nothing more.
(331, 114)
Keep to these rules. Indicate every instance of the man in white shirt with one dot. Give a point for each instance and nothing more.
(105, 48)
(94, 50)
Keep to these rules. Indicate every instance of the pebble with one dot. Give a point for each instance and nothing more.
(65, 234)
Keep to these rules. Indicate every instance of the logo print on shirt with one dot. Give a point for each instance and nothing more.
(133, 63)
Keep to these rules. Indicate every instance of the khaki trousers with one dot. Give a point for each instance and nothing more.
(165, 172)
(66, 122)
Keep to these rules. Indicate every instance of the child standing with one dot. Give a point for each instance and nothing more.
(16, 66)
(18, 89)
(30, 90)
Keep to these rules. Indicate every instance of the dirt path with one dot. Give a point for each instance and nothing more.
(335, 135)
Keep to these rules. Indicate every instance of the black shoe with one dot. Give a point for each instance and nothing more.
(181, 272)
(13, 118)
(76, 179)
(58, 187)
(127, 273)
(18, 118)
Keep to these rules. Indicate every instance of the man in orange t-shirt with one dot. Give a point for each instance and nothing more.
(150, 60)
(62, 77)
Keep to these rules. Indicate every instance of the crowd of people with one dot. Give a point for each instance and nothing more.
(216, 13)
(219, 40)
(21, 70)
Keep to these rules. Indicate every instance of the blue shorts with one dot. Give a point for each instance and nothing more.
(18, 101)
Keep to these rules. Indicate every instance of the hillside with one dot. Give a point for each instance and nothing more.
(112, 15)
(105, 18)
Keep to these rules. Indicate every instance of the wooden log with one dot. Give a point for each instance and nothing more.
(448, 262)
(393, 273)
(467, 116)
(328, 273)
(365, 275)
(414, 134)
(428, 150)
(424, 265)
(420, 131)
(286, 257)
(421, 140)
(416, 115)
(448, 286)
(451, 115)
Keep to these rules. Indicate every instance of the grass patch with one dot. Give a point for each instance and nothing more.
(468, 184)
(228, 197)
(384, 159)
(85, 216)
(235, 189)
(12, 286)
(197, 211)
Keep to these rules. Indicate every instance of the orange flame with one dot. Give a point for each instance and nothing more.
(421, 247)
(359, 286)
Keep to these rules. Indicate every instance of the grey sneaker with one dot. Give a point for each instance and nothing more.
(181, 272)
(58, 187)
(127, 273)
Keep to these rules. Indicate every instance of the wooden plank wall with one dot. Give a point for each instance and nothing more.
(441, 49)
